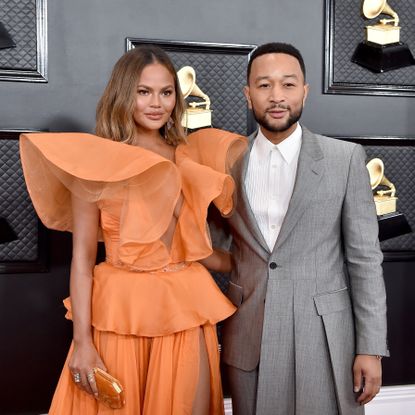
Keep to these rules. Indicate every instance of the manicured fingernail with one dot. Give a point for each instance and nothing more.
(356, 389)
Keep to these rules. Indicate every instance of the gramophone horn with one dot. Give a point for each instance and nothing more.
(187, 81)
(376, 169)
(377, 177)
(373, 8)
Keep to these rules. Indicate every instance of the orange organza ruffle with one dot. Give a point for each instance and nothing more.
(100, 170)
(155, 304)
(218, 150)
(95, 169)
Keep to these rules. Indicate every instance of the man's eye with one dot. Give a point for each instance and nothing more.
(289, 85)
(263, 85)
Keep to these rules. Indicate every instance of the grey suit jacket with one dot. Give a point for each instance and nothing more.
(318, 299)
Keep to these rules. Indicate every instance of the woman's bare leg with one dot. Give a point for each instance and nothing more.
(202, 396)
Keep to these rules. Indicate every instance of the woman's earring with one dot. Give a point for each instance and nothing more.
(170, 123)
(167, 127)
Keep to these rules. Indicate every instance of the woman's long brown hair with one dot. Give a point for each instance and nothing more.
(114, 116)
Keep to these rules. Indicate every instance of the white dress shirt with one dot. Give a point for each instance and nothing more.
(270, 180)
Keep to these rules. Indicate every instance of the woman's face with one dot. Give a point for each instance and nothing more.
(155, 97)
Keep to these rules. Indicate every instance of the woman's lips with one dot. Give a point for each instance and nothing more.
(155, 116)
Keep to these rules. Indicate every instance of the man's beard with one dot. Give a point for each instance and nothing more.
(265, 123)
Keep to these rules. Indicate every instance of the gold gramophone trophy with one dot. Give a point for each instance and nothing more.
(194, 116)
(385, 200)
(391, 223)
(382, 51)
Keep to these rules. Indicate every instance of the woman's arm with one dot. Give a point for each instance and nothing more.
(219, 261)
(84, 250)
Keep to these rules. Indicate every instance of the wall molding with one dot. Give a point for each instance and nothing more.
(393, 400)
(389, 401)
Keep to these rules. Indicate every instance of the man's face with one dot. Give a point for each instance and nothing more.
(276, 93)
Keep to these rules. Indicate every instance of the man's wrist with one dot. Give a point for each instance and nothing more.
(377, 356)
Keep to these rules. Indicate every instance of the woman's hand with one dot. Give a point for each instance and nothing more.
(81, 364)
(84, 252)
(219, 261)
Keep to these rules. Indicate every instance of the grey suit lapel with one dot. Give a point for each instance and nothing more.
(244, 207)
(309, 173)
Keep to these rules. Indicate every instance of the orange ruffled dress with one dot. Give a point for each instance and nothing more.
(148, 301)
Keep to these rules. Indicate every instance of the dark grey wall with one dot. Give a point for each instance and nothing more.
(86, 38)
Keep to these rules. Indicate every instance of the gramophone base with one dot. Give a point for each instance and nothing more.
(383, 58)
(392, 225)
(385, 204)
(197, 118)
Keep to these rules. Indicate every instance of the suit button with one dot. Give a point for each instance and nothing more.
(273, 265)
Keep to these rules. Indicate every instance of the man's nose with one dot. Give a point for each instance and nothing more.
(277, 94)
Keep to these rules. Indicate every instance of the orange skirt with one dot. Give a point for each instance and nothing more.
(159, 375)
(146, 328)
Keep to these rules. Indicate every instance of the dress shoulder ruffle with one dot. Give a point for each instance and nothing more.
(216, 150)
(93, 169)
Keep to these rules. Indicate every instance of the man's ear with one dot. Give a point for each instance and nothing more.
(247, 96)
(306, 89)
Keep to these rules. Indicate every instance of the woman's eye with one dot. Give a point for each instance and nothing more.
(167, 93)
(142, 92)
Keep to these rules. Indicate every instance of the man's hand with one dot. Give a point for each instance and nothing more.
(367, 377)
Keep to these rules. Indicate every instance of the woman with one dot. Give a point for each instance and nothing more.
(147, 314)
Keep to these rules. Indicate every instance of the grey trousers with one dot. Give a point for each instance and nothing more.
(243, 389)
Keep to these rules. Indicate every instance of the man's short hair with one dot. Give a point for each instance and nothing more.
(275, 47)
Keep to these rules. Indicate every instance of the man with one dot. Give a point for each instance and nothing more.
(310, 329)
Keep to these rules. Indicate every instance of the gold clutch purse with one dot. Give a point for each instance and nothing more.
(110, 391)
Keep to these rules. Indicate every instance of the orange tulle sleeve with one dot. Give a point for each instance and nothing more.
(94, 169)
(216, 150)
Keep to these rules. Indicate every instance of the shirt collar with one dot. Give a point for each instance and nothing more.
(289, 148)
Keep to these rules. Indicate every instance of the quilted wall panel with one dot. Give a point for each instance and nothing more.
(350, 31)
(220, 73)
(19, 18)
(16, 207)
(26, 23)
(345, 29)
(222, 78)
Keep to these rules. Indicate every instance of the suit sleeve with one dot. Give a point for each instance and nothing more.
(364, 259)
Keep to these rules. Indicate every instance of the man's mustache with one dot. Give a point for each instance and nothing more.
(278, 106)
